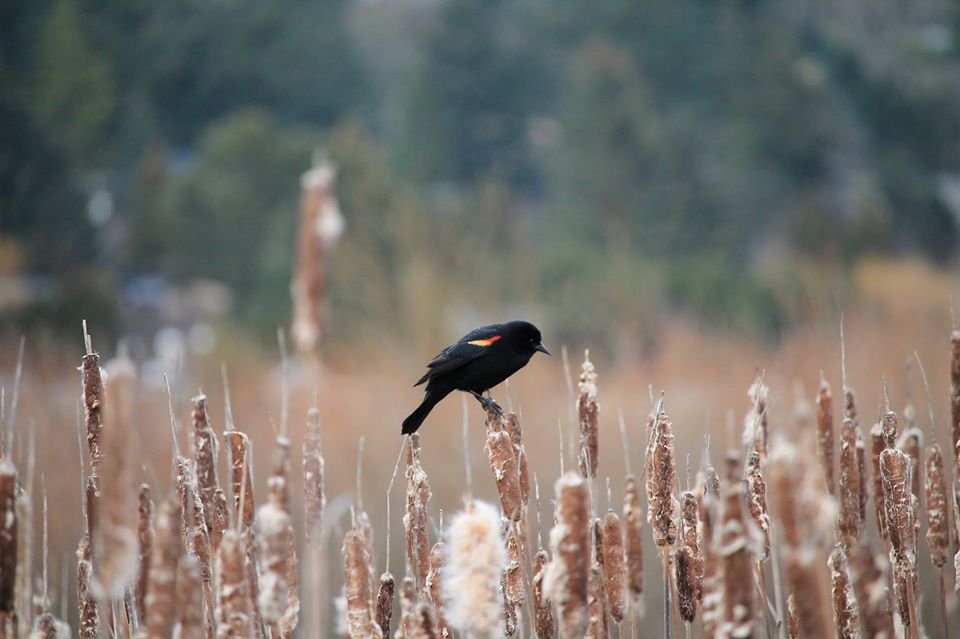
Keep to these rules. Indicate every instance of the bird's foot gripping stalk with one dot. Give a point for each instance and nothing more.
(488, 403)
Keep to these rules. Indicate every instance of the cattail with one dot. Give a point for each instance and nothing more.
(510, 619)
(144, 548)
(161, 601)
(955, 388)
(542, 611)
(737, 560)
(938, 524)
(384, 611)
(755, 421)
(277, 554)
(792, 484)
(565, 580)
(911, 442)
(240, 480)
(614, 567)
(9, 542)
(47, 626)
(234, 615)
(861, 455)
(587, 409)
(712, 599)
(757, 499)
(205, 455)
(513, 589)
(473, 565)
(877, 446)
(895, 472)
(690, 557)
(190, 603)
(870, 574)
(846, 615)
(115, 540)
(596, 606)
(633, 536)
(503, 463)
(793, 622)
(314, 496)
(92, 403)
(663, 470)
(89, 615)
(825, 431)
(359, 590)
(512, 424)
(848, 520)
(415, 518)
(279, 494)
(434, 585)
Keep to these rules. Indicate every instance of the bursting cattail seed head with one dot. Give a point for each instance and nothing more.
(848, 521)
(471, 577)
(663, 472)
(938, 522)
(566, 579)
(587, 416)
(614, 567)
(542, 611)
(845, 611)
(633, 536)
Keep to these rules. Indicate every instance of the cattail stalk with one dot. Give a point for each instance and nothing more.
(895, 472)
(633, 537)
(587, 417)
(825, 432)
(870, 573)
(89, 615)
(359, 590)
(277, 554)
(415, 517)
(161, 601)
(689, 558)
(712, 599)
(314, 496)
(846, 614)
(234, 615)
(566, 579)
(614, 567)
(512, 424)
(9, 545)
(145, 534)
(663, 473)
(877, 446)
(737, 560)
(503, 463)
(848, 520)
(596, 606)
(542, 611)
(205, 456)
(384, 611)
(474, 564)
(757, 500)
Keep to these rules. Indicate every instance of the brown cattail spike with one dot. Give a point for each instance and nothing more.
(846, 615)
(503, 463)
(878, 445)
(190, 603)
(663, 472)
(144, 548)
(9, 542)
(848, 520)
(415, 518)
(314, 496)
(898, 506)
(587, 417)
(384, 612)
(633, 537)
(757, 499)
(737, 560)
(614, 567)
(161, 602)
(955, 388)
(359, 590)
(542, 611)
(825, 432)
(205, 456)
(234, 614)
(89, 615)
(434, 585)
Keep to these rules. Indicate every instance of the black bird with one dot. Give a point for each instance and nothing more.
(479, 361)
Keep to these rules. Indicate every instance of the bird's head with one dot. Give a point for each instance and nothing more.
(524, 337)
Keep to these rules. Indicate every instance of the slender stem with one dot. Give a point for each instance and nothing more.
(667, 615)
(943, 604)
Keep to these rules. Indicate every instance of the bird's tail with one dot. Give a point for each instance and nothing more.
(415, 419)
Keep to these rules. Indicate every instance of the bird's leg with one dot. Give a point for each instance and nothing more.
(488, 403)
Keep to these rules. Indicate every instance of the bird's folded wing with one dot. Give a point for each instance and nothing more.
(471, 346)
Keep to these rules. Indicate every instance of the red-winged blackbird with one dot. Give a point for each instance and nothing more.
(479, 361)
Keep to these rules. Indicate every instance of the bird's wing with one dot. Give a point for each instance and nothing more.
(471, 346)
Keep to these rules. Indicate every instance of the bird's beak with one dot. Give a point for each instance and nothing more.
(543, 349)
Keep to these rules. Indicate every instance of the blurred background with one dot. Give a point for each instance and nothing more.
(748, 166)
(693, 189)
